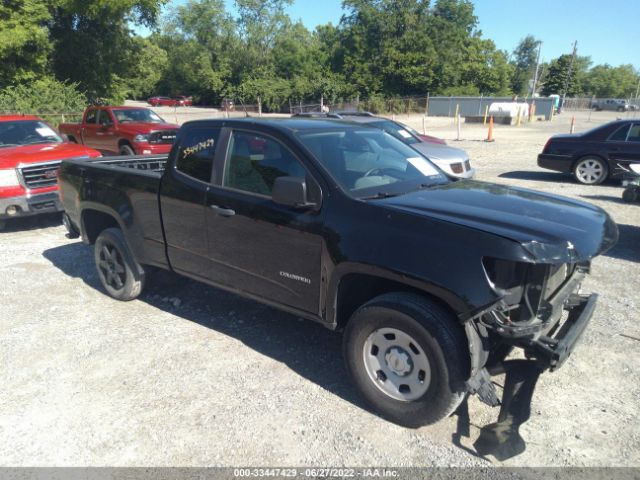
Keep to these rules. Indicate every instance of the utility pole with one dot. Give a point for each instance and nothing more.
(566, 82)
(535, 76)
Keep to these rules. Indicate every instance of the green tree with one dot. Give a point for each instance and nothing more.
(24, 41)
(524, 61)
(200, 40)
(149, 62)
(605, 81)
(44, 95)
(93, 44)
(563, 72)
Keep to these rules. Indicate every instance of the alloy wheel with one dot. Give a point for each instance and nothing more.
(590, 171)
(111, 266)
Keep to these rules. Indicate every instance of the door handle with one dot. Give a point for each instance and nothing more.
(225, 212)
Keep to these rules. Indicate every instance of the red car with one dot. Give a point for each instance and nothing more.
(184, 100)
(179, 101)
(30, 155)
(122, 130)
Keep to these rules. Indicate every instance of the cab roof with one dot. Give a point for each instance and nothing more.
(291, 125)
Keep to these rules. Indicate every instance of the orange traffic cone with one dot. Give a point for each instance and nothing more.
(490, 135)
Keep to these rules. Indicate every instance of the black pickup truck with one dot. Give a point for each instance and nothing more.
(433, 281)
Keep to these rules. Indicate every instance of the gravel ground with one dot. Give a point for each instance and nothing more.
(188, 375)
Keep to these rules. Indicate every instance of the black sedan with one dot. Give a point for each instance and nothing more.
(595, 155)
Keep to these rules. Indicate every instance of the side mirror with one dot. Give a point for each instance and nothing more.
(292, 192)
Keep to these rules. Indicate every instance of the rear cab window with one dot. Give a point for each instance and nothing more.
(196, 153)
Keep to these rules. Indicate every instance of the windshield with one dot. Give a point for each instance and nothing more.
(401, 132)
(26, 132)
(137, 115)
(370, 162)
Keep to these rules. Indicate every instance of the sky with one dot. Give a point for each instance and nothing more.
(608, 32)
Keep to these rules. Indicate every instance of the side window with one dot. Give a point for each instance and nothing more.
(634, 134)
(104, 118)
(255, 161)
(197, 149)
(620, 135)
(91, 116)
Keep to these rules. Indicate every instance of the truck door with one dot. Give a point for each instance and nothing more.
(106, 138)
(182, 200)
(90, 128)
(255, 245)
(623, 146)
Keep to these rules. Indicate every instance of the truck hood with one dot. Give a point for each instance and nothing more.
(10, 157)
(135, 128)
(552, 229)
(441, 152)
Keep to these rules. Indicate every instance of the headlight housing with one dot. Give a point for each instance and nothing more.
(9, 177)
(506, 277)
(141, 138)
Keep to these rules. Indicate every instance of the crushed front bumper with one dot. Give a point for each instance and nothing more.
(30, 205)
(551, 350)
(547, 351)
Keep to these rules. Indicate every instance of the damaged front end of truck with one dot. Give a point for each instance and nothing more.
(541, 312)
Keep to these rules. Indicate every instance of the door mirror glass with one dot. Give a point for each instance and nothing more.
(291, 191)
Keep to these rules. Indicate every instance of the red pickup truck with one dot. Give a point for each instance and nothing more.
(122, 130)
(30, 156)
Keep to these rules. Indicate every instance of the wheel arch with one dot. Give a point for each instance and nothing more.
(94, 220)
(125, 141)
(353, 285)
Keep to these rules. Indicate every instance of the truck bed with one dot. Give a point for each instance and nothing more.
(123, 187)
(153, 164)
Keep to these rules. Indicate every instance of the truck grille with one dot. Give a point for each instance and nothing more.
(40, 175)
(162, 136)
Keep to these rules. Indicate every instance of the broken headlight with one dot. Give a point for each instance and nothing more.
(506, 277)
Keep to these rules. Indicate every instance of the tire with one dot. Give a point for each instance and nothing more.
(121, 276)
(629, 195)
(428, 352)
(590, 171)
(126, 150)
(72, 231)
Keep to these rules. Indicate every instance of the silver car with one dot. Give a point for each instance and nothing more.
(453, 161)
(613, 104)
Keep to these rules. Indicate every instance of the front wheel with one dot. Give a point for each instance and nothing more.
(126, 150)
(121, 276)
(408, 358)
(590, 171)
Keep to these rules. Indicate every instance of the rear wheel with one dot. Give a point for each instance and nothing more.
(590, 171)
(408, 358)
(126, 150)
(630, 194)
(121, 276)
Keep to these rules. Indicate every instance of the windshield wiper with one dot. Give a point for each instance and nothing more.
(380, 195)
